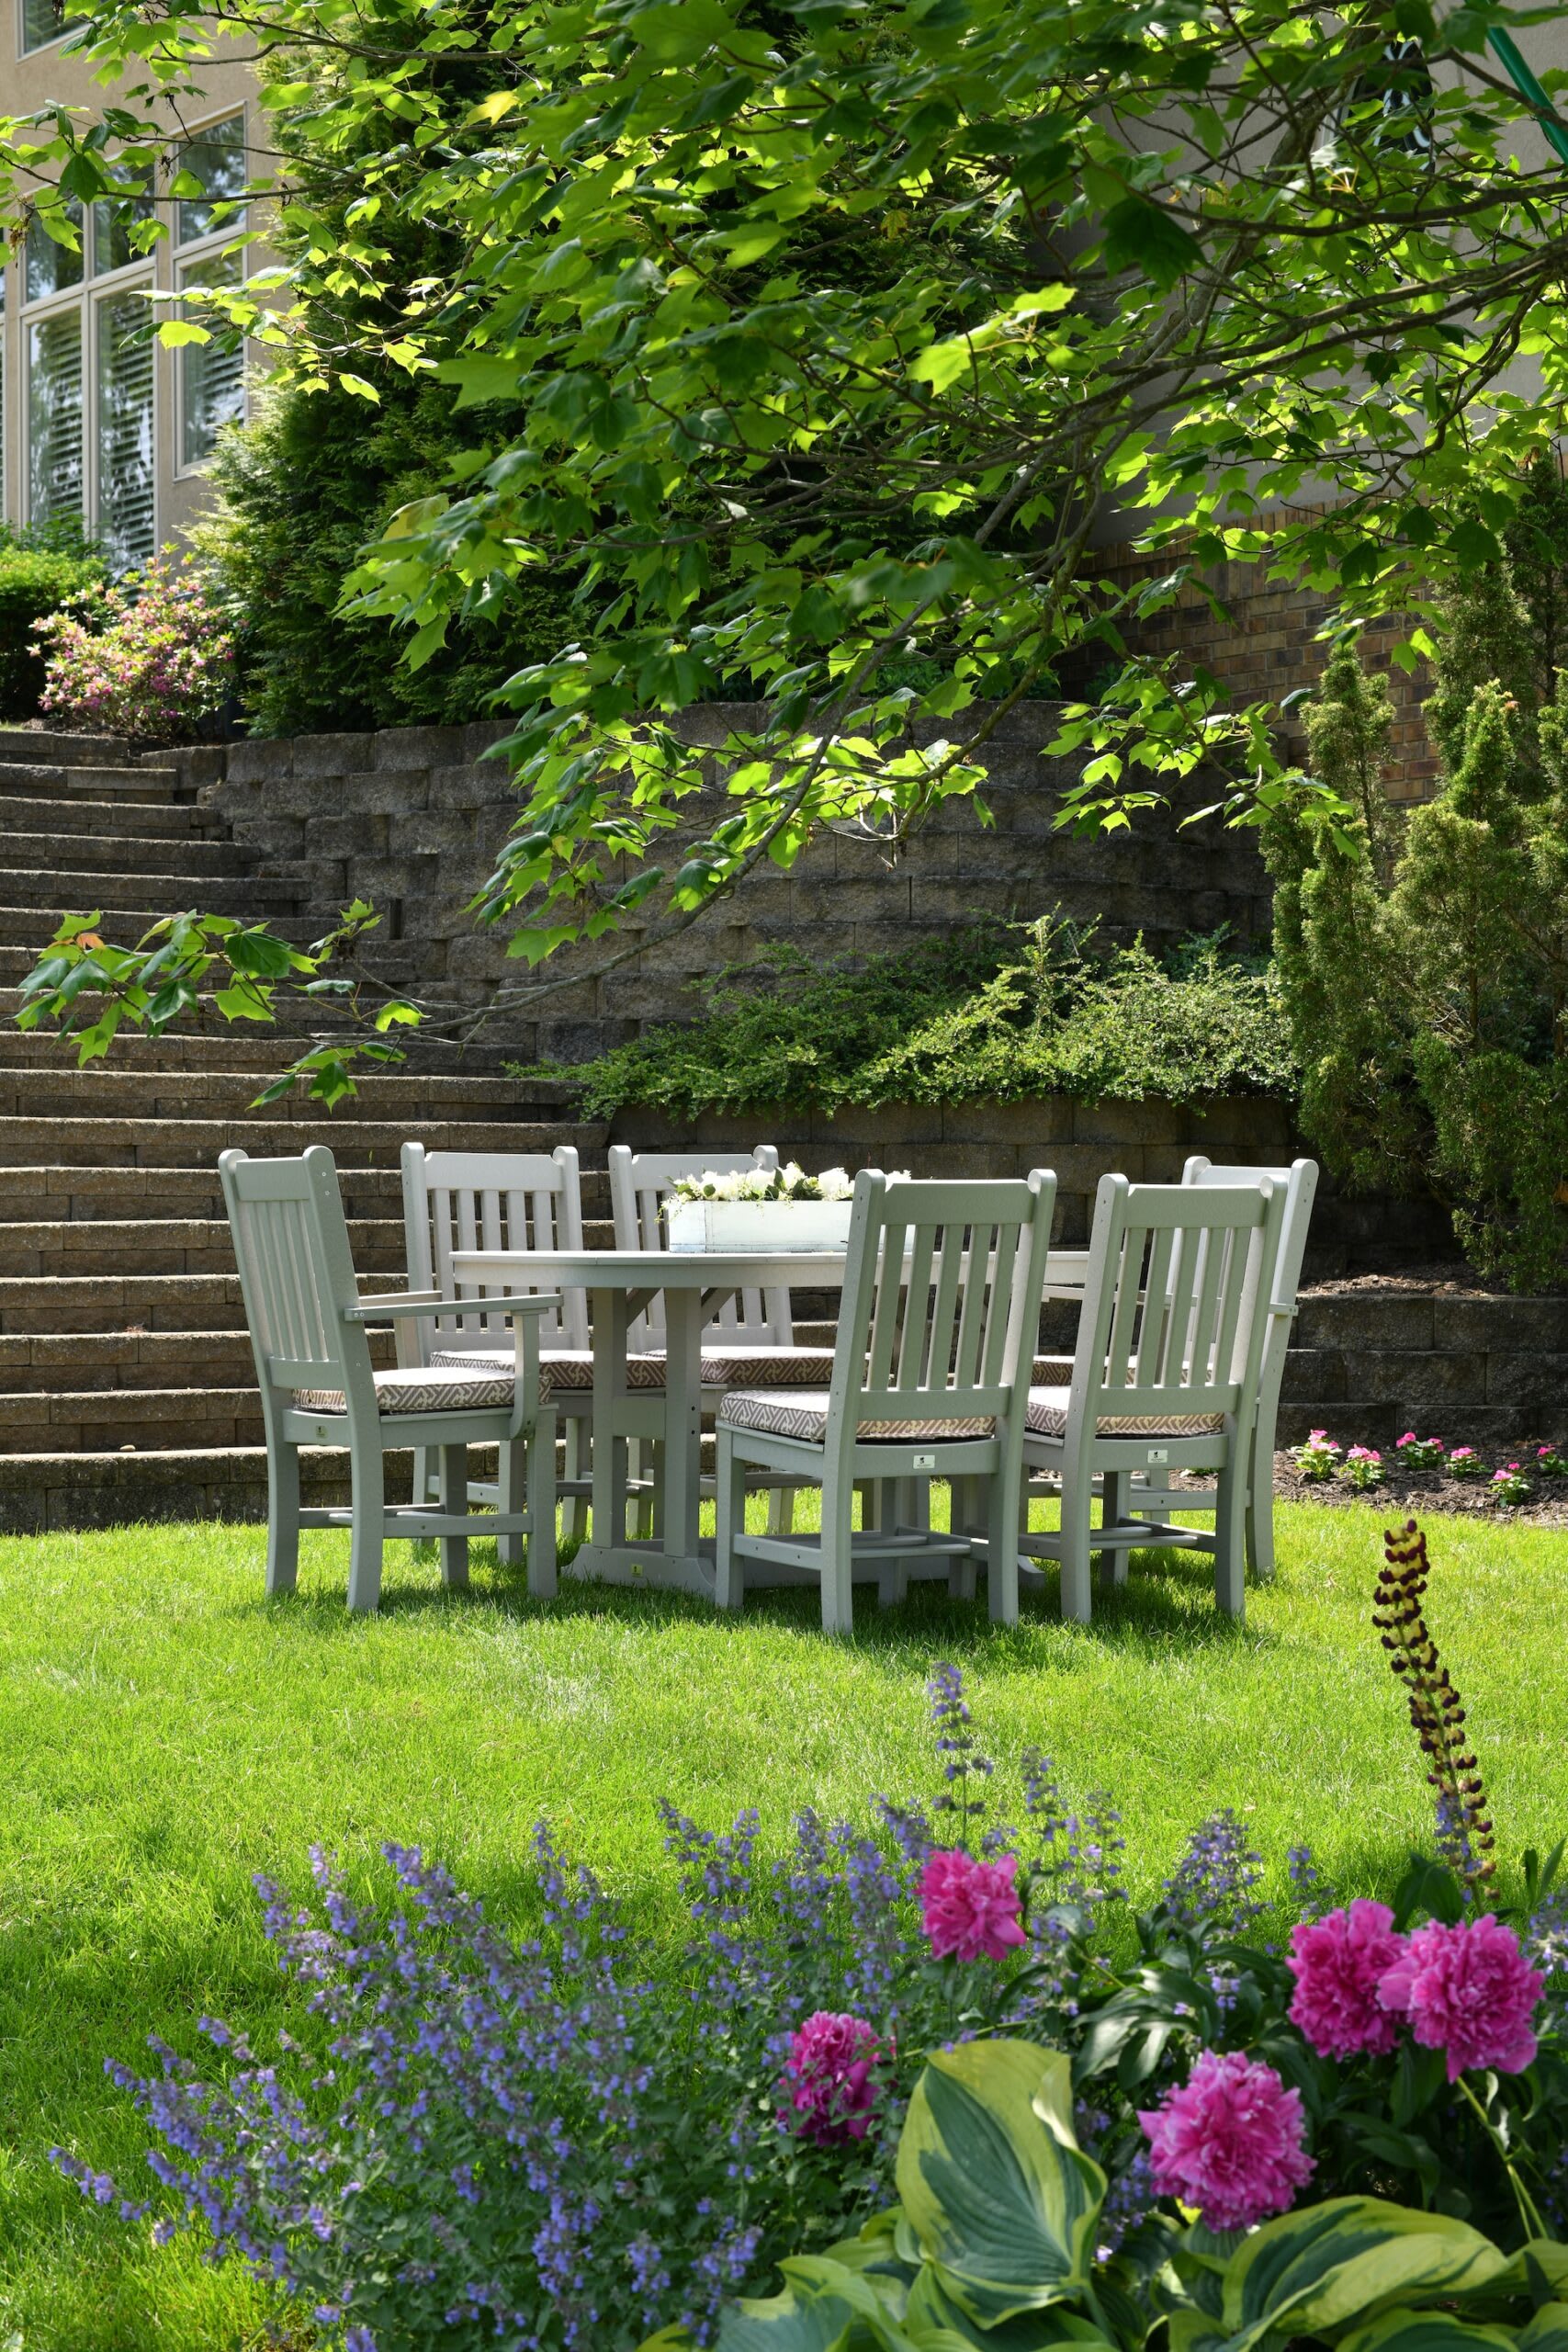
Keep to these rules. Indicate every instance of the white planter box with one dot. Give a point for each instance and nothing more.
(759, 1224)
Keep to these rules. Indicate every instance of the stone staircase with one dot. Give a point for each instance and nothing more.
(126, 1383)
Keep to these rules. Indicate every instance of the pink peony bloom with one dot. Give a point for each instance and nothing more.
(968, 1908)
(826, 2077)
(1468, 1991)
(1229, 2141)
(1337, 1962)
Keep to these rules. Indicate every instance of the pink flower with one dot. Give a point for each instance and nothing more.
(1229, 2141)
(1468, 1991)
(1337, 1962)
(969, 1907)
(827, 2076)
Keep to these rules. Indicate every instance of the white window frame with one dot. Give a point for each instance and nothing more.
(211, 247)
(25, 48)
(84, 299)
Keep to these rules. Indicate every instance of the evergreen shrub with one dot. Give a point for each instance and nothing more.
(999, 1013)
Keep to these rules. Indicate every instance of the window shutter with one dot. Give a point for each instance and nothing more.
(54, 416)
(125, 429)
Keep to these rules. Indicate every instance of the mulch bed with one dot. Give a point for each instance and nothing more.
(1409, 1494)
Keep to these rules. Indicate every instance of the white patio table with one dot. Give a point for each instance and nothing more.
(695, 1283)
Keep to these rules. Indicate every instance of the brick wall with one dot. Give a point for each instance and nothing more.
(411, 818)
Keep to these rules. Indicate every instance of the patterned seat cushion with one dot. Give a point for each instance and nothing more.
(803, 1413)
(572, 1368)
(1052, 1372)
(435, 1389)
(1047, 1417)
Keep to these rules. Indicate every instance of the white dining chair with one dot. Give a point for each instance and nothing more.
(1165, 1376)
(1152, 1494)
(930, 1377)
(489, 1200)
(309, 1334)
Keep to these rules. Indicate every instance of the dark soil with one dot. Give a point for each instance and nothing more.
(1407, 1494)
(1450, 1276)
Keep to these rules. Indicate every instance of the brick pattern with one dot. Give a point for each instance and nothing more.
(413, 819)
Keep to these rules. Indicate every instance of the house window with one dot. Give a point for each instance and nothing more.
(54, 416)
(124, 325)
(49, 267)
(114, 222)
(42, 21)
(215, 159)
(212, 375)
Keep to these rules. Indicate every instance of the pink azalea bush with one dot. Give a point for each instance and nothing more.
(1468, 1991)
(828, 2076)
(1229, 2141)
(147, 658)
(970, 1909)
(1339, 1962)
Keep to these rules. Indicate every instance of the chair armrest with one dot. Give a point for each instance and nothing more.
(433, 1301)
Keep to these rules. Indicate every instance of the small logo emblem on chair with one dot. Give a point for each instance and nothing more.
(924, 1460)
(1159, 1454)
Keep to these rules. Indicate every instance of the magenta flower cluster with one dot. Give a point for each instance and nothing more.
(1466, 1990)
(146, 659)
(970, 1909)
(1229, 2141)
(828, 2079)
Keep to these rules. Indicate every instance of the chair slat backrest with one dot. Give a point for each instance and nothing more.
(491, 1200)
(1176, 1300)
(1298, 1184)
(296, 1271)
(942, 1299)
(640, 1183)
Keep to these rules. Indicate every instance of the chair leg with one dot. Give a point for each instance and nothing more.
(1261, 1518)
(1114, 1507)
(367, 1538)
(1230, 1541)
(453, 1471)
(420, 1492)
(729, 1516)
(1077, 1504)
(541, 1493)
(512, 1496)
(574, 1508)
(283, 1519)
(962, 1518)
(838, 1558)
(1001, 1552)
(781, 1510)
(893, 1578)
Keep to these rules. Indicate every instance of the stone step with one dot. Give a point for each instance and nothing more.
(188, 1245)
(105, 821)
(201, 863)
(103, 1420)
(247, 1047)
(166, 1246)
(123, 1197)
(43, 1491)
(172, 1142)
(89, 1363)
(33, 744)
(152, 1089)
(116, 790)
(63, 889)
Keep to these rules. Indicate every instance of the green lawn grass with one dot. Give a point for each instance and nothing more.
(166, 1731)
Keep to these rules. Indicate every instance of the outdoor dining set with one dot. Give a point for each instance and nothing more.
(596, 1374)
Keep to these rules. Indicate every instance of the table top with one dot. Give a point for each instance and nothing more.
(696, 1269)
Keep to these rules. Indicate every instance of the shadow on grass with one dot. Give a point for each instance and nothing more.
(1168, 1600)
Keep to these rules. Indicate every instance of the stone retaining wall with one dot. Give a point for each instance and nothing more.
(413, 819)
(1369, 1365)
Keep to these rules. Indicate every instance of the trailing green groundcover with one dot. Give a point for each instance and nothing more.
(1008, 1013)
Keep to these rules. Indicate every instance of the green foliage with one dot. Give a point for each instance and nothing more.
(301, 488)
(1425, 964)
(987, 1016)
(827, 330)
(994, 2239)
(35, 582)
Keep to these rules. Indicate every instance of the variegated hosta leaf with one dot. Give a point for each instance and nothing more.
(1317, 2271)
(1539, 2269)
(992, 2182)
(934, 2322)
(1407, 2330)
(1548, 2330)
(823, 2306)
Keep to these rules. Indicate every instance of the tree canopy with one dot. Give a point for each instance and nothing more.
(828, 328)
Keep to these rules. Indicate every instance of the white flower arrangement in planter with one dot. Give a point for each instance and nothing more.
(761, 1208)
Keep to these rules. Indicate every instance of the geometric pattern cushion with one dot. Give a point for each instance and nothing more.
(570, 1369)
(1047, 1417)
(737, 1367)
(1053, 1371)
(429, 1390)
(782, 1412)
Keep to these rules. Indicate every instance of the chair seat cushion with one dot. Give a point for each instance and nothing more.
(1052, 1372)
(803, 1413)
(1047, 1417)
(448, 1388)
(559, 1368)
(572, 1368)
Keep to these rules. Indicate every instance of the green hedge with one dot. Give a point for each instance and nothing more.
(34, 582)
(1007, 1013)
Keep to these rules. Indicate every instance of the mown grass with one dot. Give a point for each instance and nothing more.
(166, 1733)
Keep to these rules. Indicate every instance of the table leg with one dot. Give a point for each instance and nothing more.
(609, 1448)
(683, 1421)
(669, 1557)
